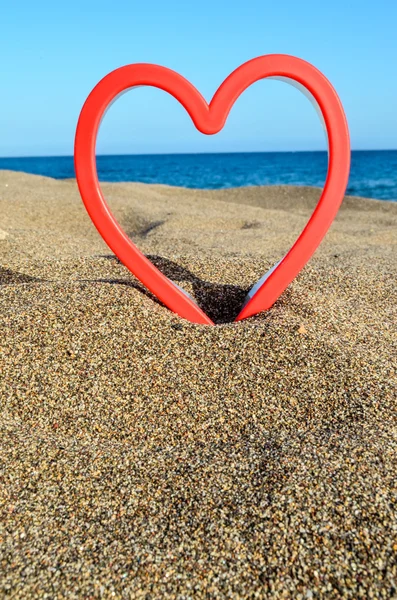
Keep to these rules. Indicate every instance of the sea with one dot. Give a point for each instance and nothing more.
(373, 172)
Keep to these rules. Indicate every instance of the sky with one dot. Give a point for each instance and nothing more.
(54, 53)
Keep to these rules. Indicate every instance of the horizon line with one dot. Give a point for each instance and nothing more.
(199, 153)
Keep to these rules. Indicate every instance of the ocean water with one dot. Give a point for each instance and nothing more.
(373, 172)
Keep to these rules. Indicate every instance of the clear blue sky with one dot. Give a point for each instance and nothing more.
(53, 53)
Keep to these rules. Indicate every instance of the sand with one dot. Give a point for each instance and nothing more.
(143, 456)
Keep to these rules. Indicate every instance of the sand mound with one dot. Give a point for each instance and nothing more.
(144, 456)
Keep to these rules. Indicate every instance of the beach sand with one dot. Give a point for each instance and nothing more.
(143, 456)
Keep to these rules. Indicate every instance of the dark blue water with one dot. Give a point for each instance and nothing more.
(373, 172)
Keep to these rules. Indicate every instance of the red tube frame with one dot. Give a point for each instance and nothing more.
(210, 119)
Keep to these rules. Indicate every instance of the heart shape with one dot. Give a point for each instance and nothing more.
(210, 119)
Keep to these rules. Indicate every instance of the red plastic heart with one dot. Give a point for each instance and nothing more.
(210, 119)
